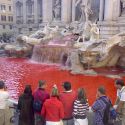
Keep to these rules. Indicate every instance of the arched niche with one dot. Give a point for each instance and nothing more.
(19, 9)
(30, 7)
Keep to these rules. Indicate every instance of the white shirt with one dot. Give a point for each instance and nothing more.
(121, 94)
(4, 96)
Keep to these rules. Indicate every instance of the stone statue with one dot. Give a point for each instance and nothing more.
(83, 10)
(46, 29)
(123, 3)
(54, 32)
(57, 10)
(19, 49)
(86, 10)
(76, 65)
(123, 6)
(94, 33)
(41, 33)
(85, 35)
(86, 31)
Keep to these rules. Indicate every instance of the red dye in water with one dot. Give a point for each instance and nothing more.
(19, 72)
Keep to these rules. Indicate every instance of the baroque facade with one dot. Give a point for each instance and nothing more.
(6, 16)
(111, 17)
(30, 14)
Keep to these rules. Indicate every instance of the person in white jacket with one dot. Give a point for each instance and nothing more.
(4, 96)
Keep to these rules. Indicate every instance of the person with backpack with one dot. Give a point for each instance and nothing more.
(40, 96)
(80, 108)
(101, 107)
(25, 107)
(120, 101)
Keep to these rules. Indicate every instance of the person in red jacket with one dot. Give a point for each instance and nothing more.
(67, 98)
(40, 94)
(52, 109)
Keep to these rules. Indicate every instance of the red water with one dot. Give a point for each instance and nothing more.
(18, 72)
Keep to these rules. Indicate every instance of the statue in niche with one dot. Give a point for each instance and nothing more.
(86, 11)
(57, 10)
(83, 10)
(78, 11)
(123, 6)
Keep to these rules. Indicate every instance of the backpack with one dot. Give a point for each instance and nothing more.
(109, 114)
(37, 105)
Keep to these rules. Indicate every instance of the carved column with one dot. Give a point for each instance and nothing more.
(116, 9)
(66, 11)
(112, 9)
(108, 13)
(47, 11)
(36, 11)
(101, 11)
(24, 11)
(14, 11)
(73, 10)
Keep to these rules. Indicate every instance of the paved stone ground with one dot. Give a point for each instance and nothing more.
(15, 115)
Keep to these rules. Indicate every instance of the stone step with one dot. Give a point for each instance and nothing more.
(105, 36)
(121, 19)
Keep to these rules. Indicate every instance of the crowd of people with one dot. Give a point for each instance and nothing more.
(65, 108)
(5, 38)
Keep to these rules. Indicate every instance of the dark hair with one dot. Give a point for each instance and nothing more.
(28, 89)
(67, 86)
(119, 82)
(2, 84)
(82, 96)
(41, 83)
(102, 90)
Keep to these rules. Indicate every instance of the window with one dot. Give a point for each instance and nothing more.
(19, 30)
(4, 27)
(3, 18)
(19, 9)
(10, 18)
(30, 29)
(10, 8)
(11, 27)
(3, 7)
(30, 7)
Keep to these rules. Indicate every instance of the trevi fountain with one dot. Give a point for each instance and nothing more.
(84, 45)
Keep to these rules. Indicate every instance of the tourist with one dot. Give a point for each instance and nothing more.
(40, 95)
(80, 109)
(120, 101)
(68, 97)
(25, 107)
(52, 109)
(99, 106)
(4, 96)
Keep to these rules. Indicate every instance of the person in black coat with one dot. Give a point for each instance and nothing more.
(25, 106)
